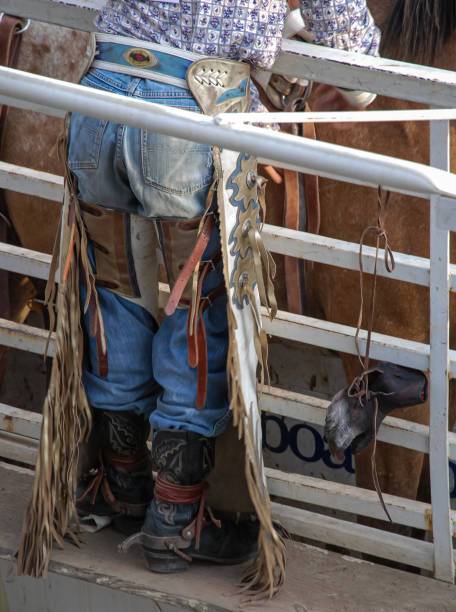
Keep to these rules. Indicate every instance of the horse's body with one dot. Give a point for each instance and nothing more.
(346, 210)
(401, 309)
(31, 138)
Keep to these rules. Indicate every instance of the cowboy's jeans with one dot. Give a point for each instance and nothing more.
(160, 177)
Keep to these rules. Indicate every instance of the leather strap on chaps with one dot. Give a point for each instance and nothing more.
(181, 283)
(196, 334)
(179, 296)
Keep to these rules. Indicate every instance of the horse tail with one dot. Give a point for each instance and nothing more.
(417, 29)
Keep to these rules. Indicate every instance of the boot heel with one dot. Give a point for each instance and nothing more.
(164, 562)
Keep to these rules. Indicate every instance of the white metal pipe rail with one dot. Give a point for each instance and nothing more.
(366, 73)
(303, 245)
(282, 150)
(393, 79)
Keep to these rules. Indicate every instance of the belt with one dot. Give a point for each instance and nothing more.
(143, 59)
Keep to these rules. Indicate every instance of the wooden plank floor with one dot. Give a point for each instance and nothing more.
(317, 580)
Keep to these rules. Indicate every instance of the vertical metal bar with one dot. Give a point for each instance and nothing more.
(439, 357)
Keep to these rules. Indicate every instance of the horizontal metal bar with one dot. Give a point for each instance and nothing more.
(295, 487)
(18, 448)
(283, 150)
(367, 73)
(25, 337)
(285, 325)
(352, 536)
(347, 498)
(300, 407)
(314, 62)
(361, 116)
(341, 338)
(277, 239)
(49, 11)
(31, 106)
(307, 408)
(31, 182)
(321, 249)
(375, 116)
(312, 247)
(20, 422)
(303, 245)
(24, 261)
(294, 405)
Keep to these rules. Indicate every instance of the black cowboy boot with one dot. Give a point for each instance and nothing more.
(121, 486)
(178, 528)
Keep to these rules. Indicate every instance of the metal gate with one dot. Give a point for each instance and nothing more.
(19, 429)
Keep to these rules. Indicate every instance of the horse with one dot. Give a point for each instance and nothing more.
(30, 138)
(419, 31)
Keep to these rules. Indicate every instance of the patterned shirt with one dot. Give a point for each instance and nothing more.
(248, 30)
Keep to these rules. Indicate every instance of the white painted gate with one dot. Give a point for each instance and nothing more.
(19, 431)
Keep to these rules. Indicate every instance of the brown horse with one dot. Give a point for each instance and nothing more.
(420, 31)
(31, 138)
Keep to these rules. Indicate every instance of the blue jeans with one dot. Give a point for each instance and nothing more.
(160, 177)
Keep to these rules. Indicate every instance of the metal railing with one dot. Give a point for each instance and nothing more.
(374, 74)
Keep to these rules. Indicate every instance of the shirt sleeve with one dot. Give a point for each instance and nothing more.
(341, 24)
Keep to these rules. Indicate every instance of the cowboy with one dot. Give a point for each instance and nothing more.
(148, 204)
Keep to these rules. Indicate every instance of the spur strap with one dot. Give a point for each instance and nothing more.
(192, 262)
(197, 344)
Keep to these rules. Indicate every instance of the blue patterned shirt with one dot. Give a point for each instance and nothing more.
(249, 30)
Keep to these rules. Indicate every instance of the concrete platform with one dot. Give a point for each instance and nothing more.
(98, 578)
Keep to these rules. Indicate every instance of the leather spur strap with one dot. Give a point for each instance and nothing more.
(192, 262)
(197, 343)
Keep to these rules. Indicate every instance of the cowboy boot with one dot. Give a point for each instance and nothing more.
(178, 526)
(121, 486)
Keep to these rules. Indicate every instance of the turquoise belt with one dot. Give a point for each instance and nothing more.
(143, 59)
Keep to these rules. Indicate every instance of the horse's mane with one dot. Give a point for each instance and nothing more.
(417, 29)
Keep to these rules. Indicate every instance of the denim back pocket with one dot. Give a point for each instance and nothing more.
(175, 165)
(86, 135)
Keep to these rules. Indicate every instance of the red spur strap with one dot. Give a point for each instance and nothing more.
(201, 343)
(187, 271)
(177, 494)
